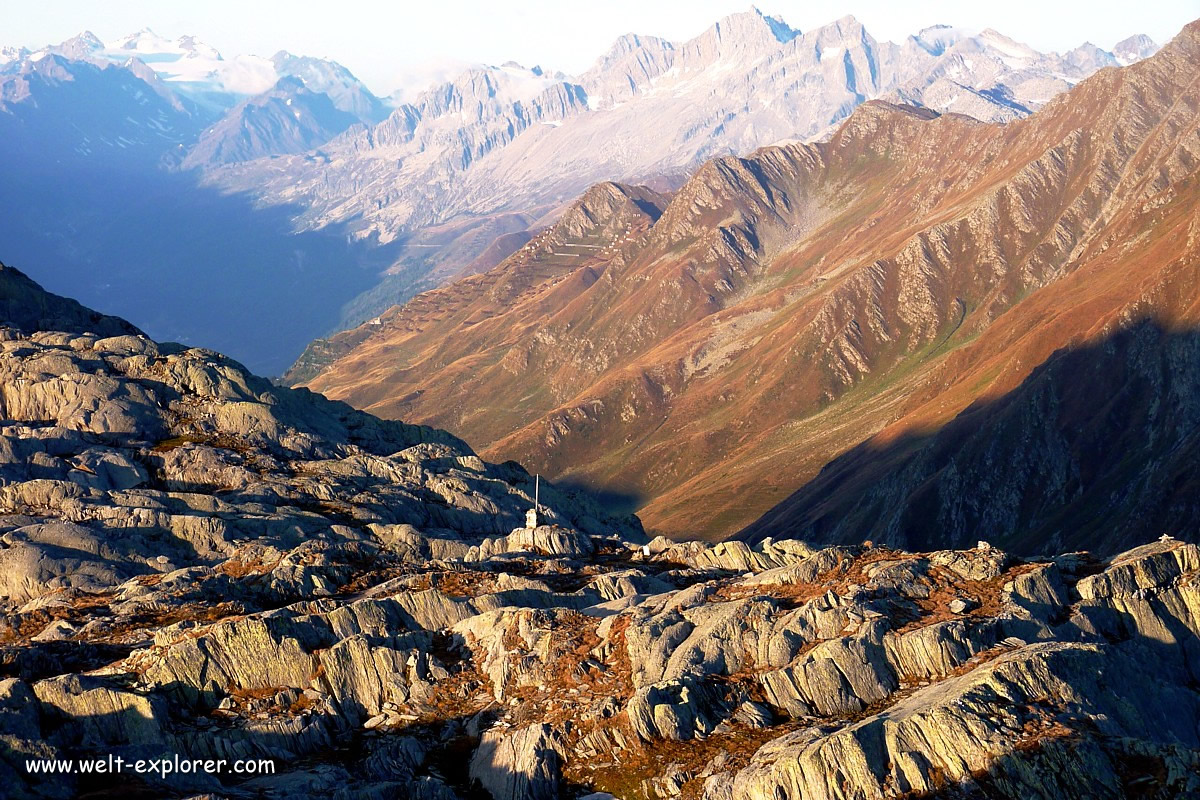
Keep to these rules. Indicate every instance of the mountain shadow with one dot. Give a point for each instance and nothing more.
(1097, 449)
(182, 261)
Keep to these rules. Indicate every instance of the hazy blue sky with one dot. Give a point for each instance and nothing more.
(381, 41)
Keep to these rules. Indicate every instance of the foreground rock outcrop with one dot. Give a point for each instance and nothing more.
(196, 565)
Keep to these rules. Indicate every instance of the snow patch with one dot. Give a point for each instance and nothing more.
(521, 84)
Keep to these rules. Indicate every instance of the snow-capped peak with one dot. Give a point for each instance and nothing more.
(749, 27)
(79, 47)
(1014, 54)
(187, 64)
(937, 39)
(86, 39)
(1135, 48)
(194, 47)
(520, 83)
(146, 41)
(10, 54)
(414, 79)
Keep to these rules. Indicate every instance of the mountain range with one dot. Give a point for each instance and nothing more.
(492, 151)
(353, 204)
(519, 140)
(926, 327)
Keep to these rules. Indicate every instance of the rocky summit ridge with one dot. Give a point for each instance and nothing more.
(195, 562)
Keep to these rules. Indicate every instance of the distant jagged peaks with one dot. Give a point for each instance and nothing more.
(199, 72)
(10, 54)
(187, 61)
(79, 47)
(320, 75)
(488, 95)
(191, 44)
(288, 118)
(742, 35)
(936, 39)
(145, 40)
(1021, 54)
(749, 25)
(649, 106)
(1135, 48)
(535, 70)
(58, 109)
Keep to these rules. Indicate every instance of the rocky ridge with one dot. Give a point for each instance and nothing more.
(195, 562)
(859, 294)
(288, 118)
